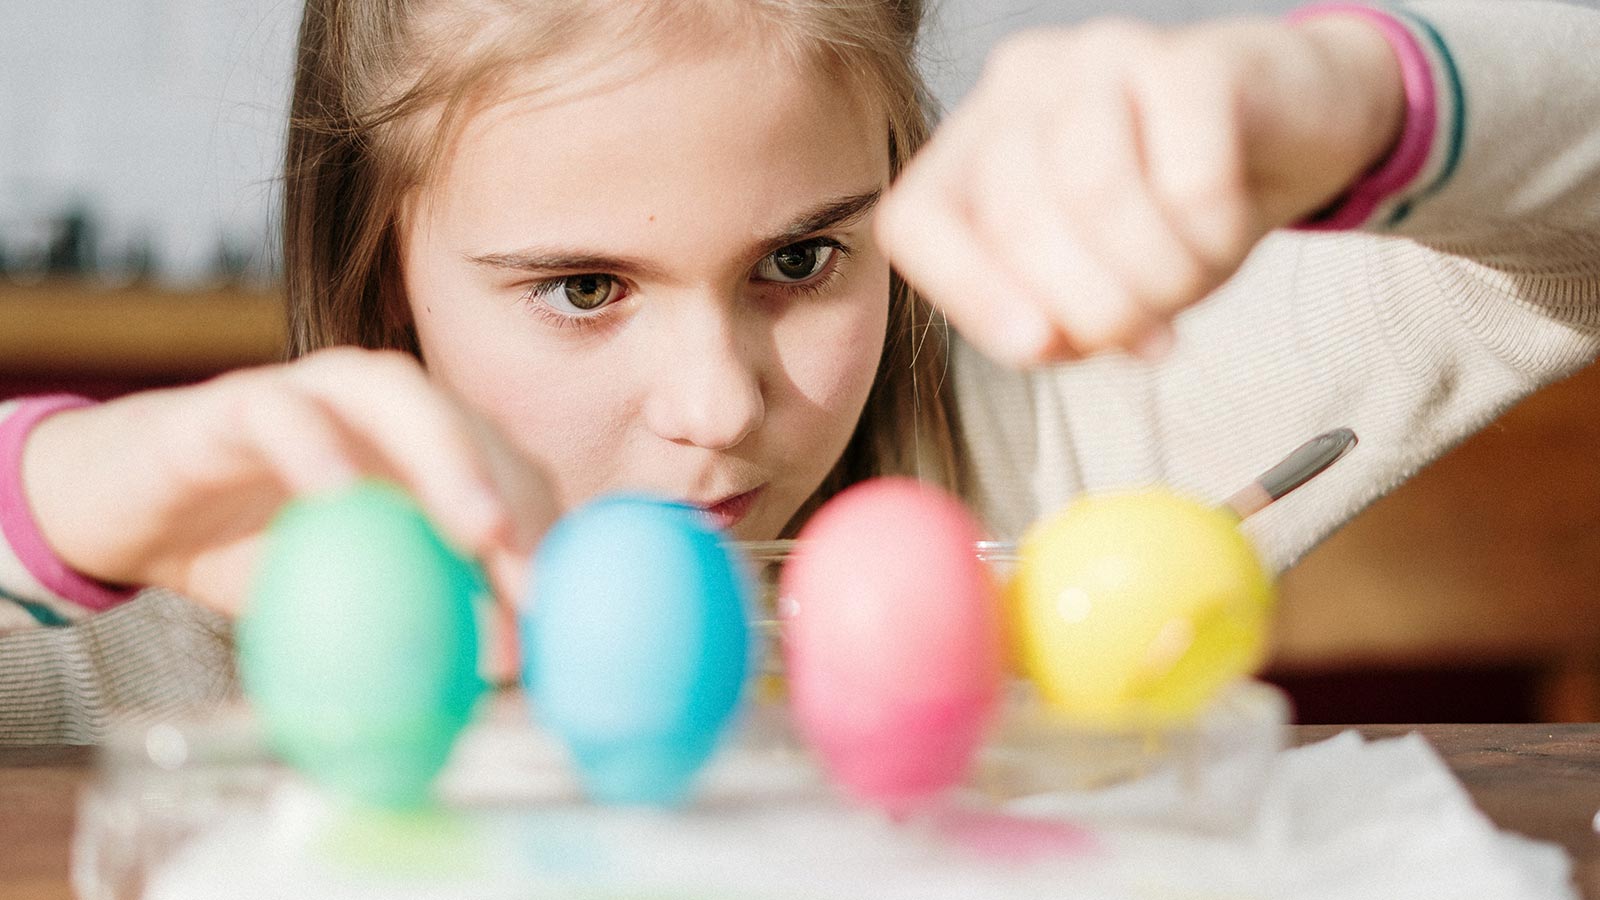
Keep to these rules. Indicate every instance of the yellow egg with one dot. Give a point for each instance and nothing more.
(1132, 610)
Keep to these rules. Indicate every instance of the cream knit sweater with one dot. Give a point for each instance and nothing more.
(1415, 335)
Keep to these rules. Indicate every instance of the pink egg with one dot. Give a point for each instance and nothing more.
(892, 635)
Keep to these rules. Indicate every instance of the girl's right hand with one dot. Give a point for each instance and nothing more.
(176, 487)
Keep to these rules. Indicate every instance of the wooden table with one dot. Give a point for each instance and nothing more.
(1541, 780)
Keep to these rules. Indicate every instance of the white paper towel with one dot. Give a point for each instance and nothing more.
(1344, 818)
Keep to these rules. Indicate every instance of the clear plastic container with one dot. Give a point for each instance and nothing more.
(1207, 776)
(156, 786)
(162, 788)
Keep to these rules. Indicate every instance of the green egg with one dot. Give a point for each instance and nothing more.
(359, 645)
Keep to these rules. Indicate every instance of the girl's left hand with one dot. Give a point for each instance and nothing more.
(1101, 179)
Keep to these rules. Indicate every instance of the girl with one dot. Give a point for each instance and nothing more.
(540, 250)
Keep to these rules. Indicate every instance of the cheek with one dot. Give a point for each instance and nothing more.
(574, 434)
(835, 381)
(469, 345)
(551, 406)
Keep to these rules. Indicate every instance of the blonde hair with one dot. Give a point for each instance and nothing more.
(380, 86)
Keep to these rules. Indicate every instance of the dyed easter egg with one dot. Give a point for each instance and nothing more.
(637, 642)
(1134, 609)
(893, 642)
(359, 647)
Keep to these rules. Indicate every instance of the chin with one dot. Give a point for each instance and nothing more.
(765, 525)
(752, 531)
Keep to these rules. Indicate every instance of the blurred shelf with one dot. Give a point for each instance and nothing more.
(70, 327)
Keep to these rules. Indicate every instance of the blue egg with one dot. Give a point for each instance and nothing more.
(636, 637)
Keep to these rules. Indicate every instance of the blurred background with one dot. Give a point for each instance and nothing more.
(139, 143)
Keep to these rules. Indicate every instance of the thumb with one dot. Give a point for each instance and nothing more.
(501, 651)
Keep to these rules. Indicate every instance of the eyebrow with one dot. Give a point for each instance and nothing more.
(837, 212)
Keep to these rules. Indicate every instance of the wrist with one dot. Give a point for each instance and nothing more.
(1394, 113)
(29, 519)
(1362, 63)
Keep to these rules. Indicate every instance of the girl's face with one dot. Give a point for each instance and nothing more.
(662, 277)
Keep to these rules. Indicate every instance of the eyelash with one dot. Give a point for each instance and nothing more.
(812, 286)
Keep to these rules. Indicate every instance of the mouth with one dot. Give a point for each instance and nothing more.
(727, 512)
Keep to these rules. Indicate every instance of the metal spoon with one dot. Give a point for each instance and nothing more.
(1301, 465)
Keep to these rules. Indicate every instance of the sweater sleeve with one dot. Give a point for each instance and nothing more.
(1520, 162)
(1482, 285)
(77, 656)
(155, 658)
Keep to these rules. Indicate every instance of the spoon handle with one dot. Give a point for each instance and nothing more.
(1301, 465)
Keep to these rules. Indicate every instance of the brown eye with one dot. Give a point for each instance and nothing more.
(588, 292)
(796, 262)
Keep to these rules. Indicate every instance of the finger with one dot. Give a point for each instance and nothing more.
(296, 437)
(1034, 236)
(388, 402)
(931, 242)
(220, 579)
(1093, 168)
(1033, 196)
(501, 651)
(508, 573)
(1193, 157)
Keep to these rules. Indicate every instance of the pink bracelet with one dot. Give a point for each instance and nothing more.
(1353, 208)
(16, 519)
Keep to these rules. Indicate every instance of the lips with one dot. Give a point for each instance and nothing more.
(727, 512)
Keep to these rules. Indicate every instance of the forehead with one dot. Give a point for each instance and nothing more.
(599, 139)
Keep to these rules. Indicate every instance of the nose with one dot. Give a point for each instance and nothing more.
(707, 389)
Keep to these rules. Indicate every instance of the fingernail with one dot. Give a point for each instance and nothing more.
(1028, 341)
(499, 659)
(1156, 344)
